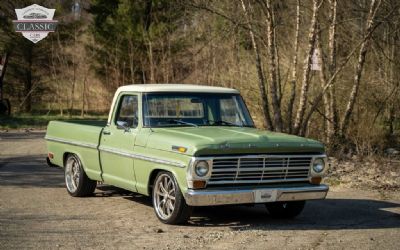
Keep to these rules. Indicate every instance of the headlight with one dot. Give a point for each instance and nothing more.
(201, 168)
(318, 165)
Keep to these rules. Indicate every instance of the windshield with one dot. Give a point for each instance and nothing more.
(195, 109)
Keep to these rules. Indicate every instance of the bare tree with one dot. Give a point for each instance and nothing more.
(261, 79)
(55, 78)
(307, 67)
(333, 125)
(293, 81)
(331, 81)
(323, 81)
(374, 6)
(273, 63)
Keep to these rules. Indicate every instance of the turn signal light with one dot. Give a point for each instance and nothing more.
(199, 184)
(316, 180)
(50, 155)
(179, 149)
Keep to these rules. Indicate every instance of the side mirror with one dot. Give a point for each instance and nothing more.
(123, 125)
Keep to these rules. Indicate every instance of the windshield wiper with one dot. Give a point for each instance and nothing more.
(182, 122)
(221, 122)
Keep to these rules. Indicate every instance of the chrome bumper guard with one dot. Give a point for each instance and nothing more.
(256, 195)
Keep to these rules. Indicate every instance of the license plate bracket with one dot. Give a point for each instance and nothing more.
(265, 195)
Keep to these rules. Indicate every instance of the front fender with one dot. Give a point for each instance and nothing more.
(146, 169)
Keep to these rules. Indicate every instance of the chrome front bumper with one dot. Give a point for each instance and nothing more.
(256, 195)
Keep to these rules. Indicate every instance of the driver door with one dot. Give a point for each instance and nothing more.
(117, 143)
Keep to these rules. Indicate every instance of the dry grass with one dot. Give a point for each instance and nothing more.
(380, 173)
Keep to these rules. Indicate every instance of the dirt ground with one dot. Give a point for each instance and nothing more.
(36, 212)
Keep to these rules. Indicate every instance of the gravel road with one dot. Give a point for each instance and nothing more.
(36, 212)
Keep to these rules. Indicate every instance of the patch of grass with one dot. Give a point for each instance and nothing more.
(39, 121)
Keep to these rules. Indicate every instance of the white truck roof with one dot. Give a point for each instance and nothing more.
(175, 88)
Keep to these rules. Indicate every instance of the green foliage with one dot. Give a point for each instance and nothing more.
(29, 63)
(132, 33)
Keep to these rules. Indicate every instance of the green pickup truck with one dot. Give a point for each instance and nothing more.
(187, 146)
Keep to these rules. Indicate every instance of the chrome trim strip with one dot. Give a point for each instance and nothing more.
(81, 144)
(117, 152)
(242, 196)
(261, 156)
(141, 157)
(258, 169)
(258, 182)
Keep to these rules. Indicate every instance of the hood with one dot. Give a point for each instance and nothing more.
(218, 140)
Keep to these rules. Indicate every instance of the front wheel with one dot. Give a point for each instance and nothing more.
(168, 201)
(285, 209)
(76, 180)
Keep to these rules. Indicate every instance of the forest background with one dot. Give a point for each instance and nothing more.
(326, 69)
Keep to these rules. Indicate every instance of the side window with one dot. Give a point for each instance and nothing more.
(128, 110)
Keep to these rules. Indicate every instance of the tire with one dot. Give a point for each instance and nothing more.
(168, 202)
(76, 180)
(286, 209)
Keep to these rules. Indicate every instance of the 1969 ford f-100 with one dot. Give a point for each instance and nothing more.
(187, 146)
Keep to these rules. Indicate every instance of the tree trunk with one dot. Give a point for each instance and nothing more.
(71, 106)
(56, 80)
(28, 81)
(307, 67)
(27, 91)
(151, 60)
(334, 118)
(3, 62)
(84, 95)
(261, 79)
(131, 58)
(273, 72)
(293, 81)
(360, 65)
(326, 96)
(71, 109)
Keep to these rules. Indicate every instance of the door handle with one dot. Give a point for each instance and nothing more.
(106, 133)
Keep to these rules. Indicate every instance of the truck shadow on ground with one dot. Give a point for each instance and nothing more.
(329, 214)
(18, 136)
(325, 214)
(29, 171)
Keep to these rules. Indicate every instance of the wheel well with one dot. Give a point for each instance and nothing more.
(152, 177)
(65, 156)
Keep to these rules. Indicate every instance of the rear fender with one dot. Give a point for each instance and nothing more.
(93, 175)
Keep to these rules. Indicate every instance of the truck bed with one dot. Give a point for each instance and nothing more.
(85, 131)
(80, 137)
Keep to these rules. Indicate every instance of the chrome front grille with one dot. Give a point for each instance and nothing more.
(260, 169)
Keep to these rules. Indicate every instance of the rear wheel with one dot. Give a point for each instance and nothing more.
(76, 180)
(285, 209)
(168, 201)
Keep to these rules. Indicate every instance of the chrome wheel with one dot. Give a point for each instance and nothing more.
(72, 174)
(164, 196)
